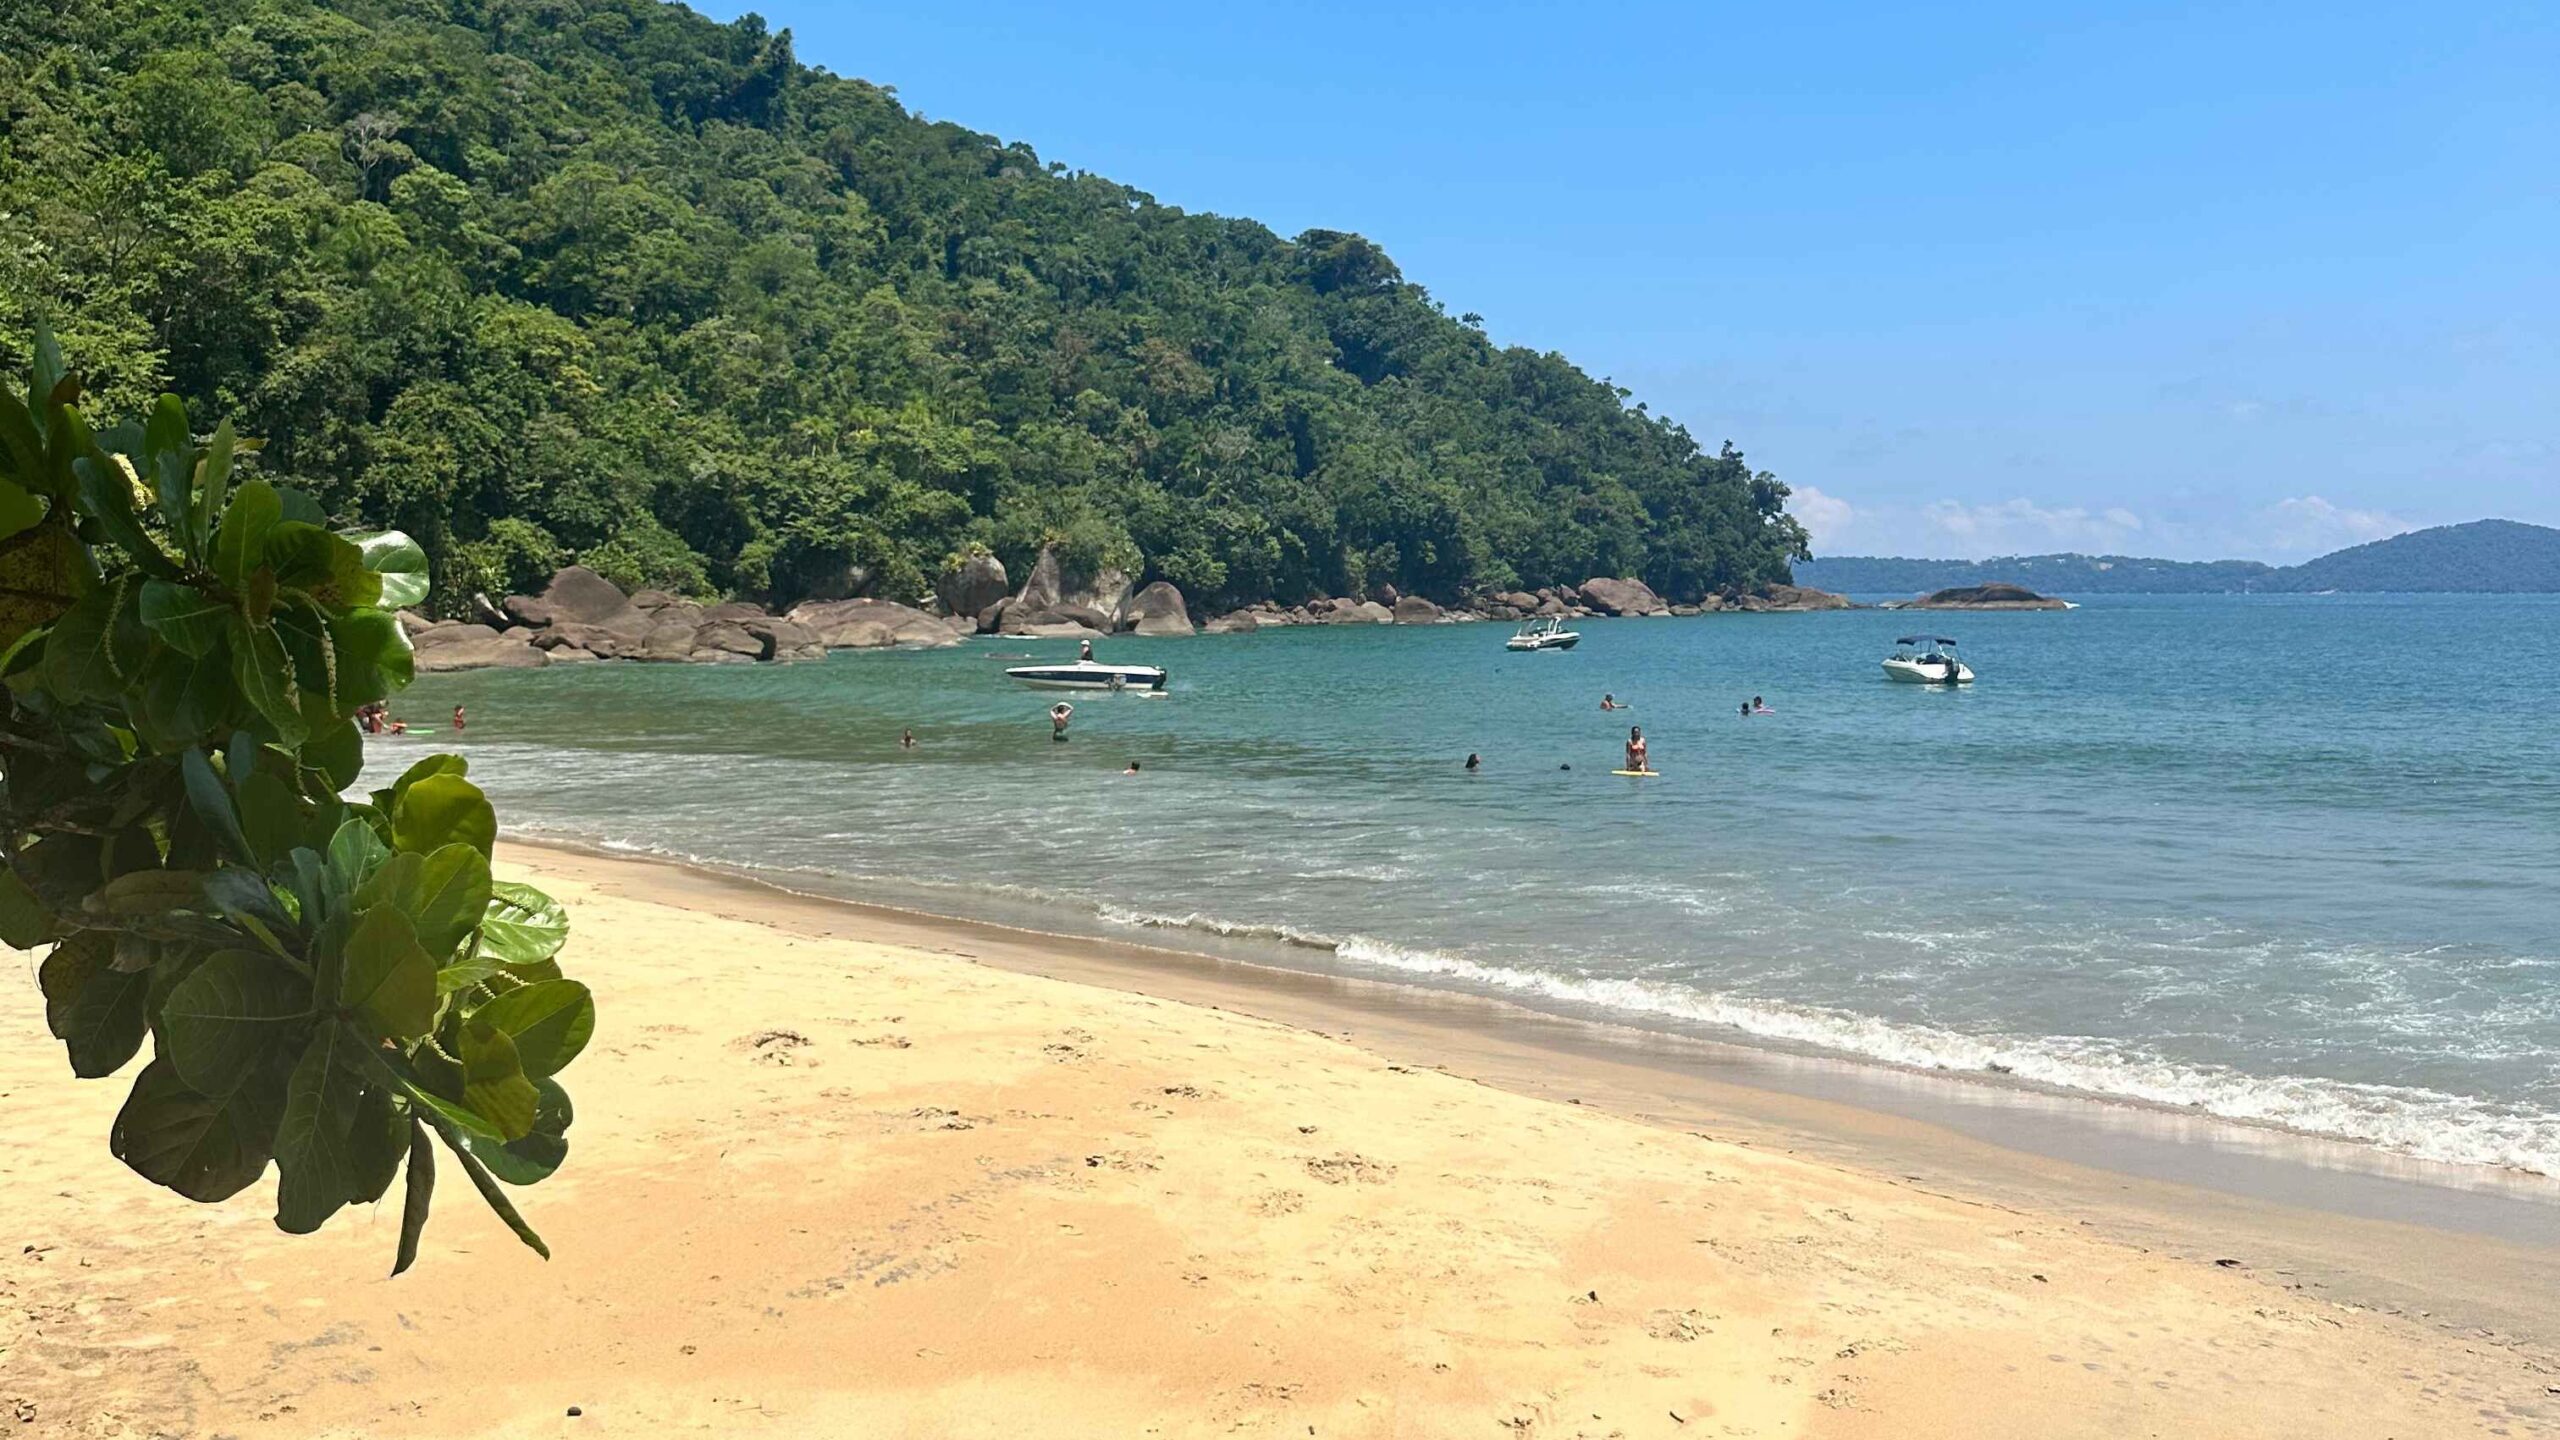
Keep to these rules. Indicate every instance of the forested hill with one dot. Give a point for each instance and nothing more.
(2483, 556)
(2066, 574)
(604, 279)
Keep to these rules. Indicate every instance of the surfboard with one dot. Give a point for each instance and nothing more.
(1633, 773)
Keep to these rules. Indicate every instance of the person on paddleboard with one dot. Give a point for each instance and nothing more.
(1636, 753)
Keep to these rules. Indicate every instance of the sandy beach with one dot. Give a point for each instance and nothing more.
(838, 1172)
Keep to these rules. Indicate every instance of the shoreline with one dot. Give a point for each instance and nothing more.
(2470, 1248)
(839, 1170)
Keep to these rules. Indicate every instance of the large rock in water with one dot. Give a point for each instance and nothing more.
(869, 624)
(1156, 610)
(972, 585)
(1621, 597)
(1359, 612)
(1998, 595)
(1414, 610)
(1234, 622)
(575, 594)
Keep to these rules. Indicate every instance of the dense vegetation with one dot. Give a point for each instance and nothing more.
(2498, 556)
(328, 985)
(536, 279)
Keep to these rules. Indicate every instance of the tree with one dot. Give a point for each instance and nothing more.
(328, 986)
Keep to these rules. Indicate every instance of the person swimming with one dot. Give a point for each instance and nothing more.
(1132, 770)
(1473, 763)
(1760, 706)
(1637, 754)
(1610, 702)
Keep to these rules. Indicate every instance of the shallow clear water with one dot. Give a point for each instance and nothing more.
(2287, 859)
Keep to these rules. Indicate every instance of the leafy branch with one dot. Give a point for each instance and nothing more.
(328, 985)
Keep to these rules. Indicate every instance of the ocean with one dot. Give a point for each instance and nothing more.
(2290, 860)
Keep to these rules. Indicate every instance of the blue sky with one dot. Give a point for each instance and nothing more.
(2233, 280)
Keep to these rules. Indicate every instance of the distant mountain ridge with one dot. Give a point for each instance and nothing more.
(2506, 557)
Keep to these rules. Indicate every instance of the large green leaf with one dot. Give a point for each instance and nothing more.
(212, 804)
(240, 546)
(381, 1134)
(213, 480)
(421, 1189)
(385, 978)
(355, 851)
(260, 667)
(106, 493)
(316, 1162)
(222, 1021)
(77, 662)
(19, 510)
(494, 1086)
(375, 657)
(550, 1021)
(401, 564)
(443, 892)
(530, 1158)
(65, 974)
(104, 1023)
(336, 750)
(443, 810)
(273, 816)
(328, 568)
(523, 926)
(186, 619)
(170, 467)
(25, 922)
(206, 1148)
(490, 1194)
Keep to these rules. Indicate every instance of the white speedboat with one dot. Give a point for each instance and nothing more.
(1926, 660)
(1089, 675)
(1544, 633)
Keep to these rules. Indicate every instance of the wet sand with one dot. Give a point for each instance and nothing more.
(841, 1170)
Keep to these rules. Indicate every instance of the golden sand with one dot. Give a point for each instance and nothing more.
(826, 1187)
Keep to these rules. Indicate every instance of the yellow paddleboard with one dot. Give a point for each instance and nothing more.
(1635, 772)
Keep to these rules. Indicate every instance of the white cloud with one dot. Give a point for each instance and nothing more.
(2284, 532)
(1824, 517)
(2022, 527)
(2309, 524)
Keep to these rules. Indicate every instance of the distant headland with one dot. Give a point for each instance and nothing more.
(2484, 556)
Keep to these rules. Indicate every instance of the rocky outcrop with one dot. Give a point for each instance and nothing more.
(581, 615)
(1358, 612)
(460, 645)
(1774, 598)
(1621, 597)
(1156, 610)
(576, 594)
(867, 625)
(971, 586)
(1053, 599)
(1234, 622)
(1414, 610)
(1995, 596)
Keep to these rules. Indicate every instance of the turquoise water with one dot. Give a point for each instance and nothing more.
(2285, 859)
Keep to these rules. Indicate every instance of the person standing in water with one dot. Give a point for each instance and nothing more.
(1473, 764)
(906, 739)
(1637, 755)
(1059, 715)
(457, 720)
